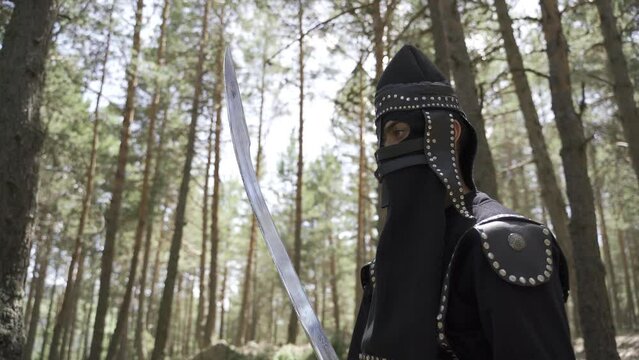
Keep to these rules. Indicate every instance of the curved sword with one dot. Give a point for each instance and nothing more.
(292, 284)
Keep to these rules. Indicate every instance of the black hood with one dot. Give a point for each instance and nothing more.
(419, 180)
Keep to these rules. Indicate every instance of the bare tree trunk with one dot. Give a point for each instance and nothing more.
(141, 316)
(45, 336)
(380, 22)
(215, 201)
(465, 84)
(222, 297)
(156, 267)
(186, 345)
(297, 247)
(623, 88)
(594, 308)
(28, 309)
(38, 289)
(608, 263)
(248, 270)
(205, 237)
(22, 69)
(164, 316)
(333, 282)
(255, 307)
(438, 27)
(117, 189)
(74, 278)
(118, 338)
(87, 325)
(360, 252)
(617, 210)
(550, 190)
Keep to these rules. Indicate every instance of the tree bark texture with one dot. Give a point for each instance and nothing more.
(622, 88)
(438, 26)
(594, 308)
(118, 339)
(77, 258)
(605, 240)
(551, 193)
(209, 327)
(466, 87)
(164, 315)
(117, 189)
(297, 247)
(38, 292)
(22, 69)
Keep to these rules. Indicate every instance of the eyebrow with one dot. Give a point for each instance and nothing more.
(391, 123)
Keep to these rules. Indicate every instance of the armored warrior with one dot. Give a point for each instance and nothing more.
(456, 274)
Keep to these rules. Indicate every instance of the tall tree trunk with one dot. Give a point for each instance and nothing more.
(380, 22)
(608, 263)
(361, 185)
(623, 88)
(186, 346)
(28, 309)
(164, 316)
(141, 316)
(550, 190)
(87, 325)
(297, 247)
(45, 336)
(215, 200)
(205, 238)
(38, 290)
(248, 270)
(594, 308)
(222, 297)
(118, 338)
(438, 27)
(466, 86)
(156, 189)
(117, 189)
(156, 266)
(255, 306)
(74, 279)
(333, 282)
(620, 215)
(22, 69)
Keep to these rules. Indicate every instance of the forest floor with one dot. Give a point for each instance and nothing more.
(627, 345)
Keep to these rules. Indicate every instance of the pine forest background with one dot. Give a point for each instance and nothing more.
(140, 242)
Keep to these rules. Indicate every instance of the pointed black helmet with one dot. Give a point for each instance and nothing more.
(412, 89)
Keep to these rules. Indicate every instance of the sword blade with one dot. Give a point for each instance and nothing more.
(292, 284)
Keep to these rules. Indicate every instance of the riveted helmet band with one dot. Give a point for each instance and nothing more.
(439, 106)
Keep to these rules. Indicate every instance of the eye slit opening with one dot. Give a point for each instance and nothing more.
(395, 132)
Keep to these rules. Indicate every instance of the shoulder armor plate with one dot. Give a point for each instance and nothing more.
(518, 249)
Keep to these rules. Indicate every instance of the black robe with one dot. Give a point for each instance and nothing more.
(487, 318)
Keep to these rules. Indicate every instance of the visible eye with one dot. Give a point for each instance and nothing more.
(395, 132)
(399, 132)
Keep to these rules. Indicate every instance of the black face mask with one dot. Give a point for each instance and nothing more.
(419, 176)
(408, 267)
